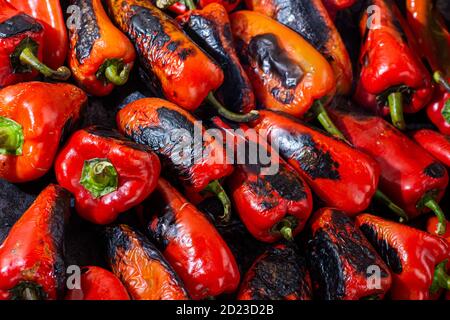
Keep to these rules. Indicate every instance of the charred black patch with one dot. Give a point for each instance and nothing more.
(435, 170)
(145, 24)
(89, 32)
(185, 53)
(386, 251)
(112, 134)
(280, 273)
(19, 24)
(287, 185)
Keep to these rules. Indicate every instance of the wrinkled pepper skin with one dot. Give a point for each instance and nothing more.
(31, 257)
(408, 173)
(210, 27)
(135, 174)
(310, 19)
(50, 16)
(190, 243)
(178, 68)
(266, 201)
(98, 284)
(388, 62)
(150, 121)
(141, 267)
(95, 46)
(411, 254)
(340, 259)
(438, 111)
(278, 274)
(435, 143)
(229, 5)
(43, 111)
(286, 72)
(341, 176)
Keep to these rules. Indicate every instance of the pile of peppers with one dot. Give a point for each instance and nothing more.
(224, 149)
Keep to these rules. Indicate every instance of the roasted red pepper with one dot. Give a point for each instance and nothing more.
(50, 15)
(22, 45)
(33, 117)
(178, 69)
(278, 274)
(271, 198)
(190, 243)
(417, 259)
(141, 267)
(230, 5)
(100, 57)
(310, 19)
(341, 176)
(107, 173)
(389, 67)
(98, 284)
(210, 27)
(31, 257)
(335, 5)
(171, 131)
(435, 143)
(438, 110)
(433, 228)
(409, 175)
(342, 260)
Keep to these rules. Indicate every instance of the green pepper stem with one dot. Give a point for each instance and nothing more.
(441, 280)
(439, 78)
(380, 196)
(227, 114)
(190, 4)
(395, 101)
(216, 188)
(286, 226)
(27, 57)
(99, 177)
(322, 115)
(116, 73)
(11, 137)
(286, 232)
(27, 290)
(429, 202)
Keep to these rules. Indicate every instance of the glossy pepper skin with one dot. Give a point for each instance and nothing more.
(50, 16)
(412, 255)
(179, 69)
(310, 19)
(432, 227)
(341, 176)
(31, 257)
(435, 143)
(190, 243)
(98, 284)
(229, 5)
(286, 72)
(280, 273)
(100, 55)
(33, 117)
(389, 66)
(408, 174)
(210, 27)
(341, 258)
(272, 205)
(141, 267)
(107, 173)
(438, 111)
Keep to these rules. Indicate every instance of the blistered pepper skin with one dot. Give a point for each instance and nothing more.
(286, 72)
(141, 267)
(190, 243)
(151, 121)
(341, 176)
(32, 254)
(280, 273)
(310, 19)
(435, 143)
(178, 68)
(408, 173)
(340, 259)
(411, 254)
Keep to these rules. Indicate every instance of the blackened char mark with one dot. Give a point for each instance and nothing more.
(386, 251)
(145, 24)
(107, 133)
(279, 274)
(435, 170)
(316, 162)
(19, 24)
(89, 32)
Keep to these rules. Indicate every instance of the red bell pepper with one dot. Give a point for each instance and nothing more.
(33, 117)
(433, 228)
(438, 110)
(418, 260)
(435, 143)
(190, 243)
(98, 284)
(107, 173)
(31, 257)
(333, 6)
